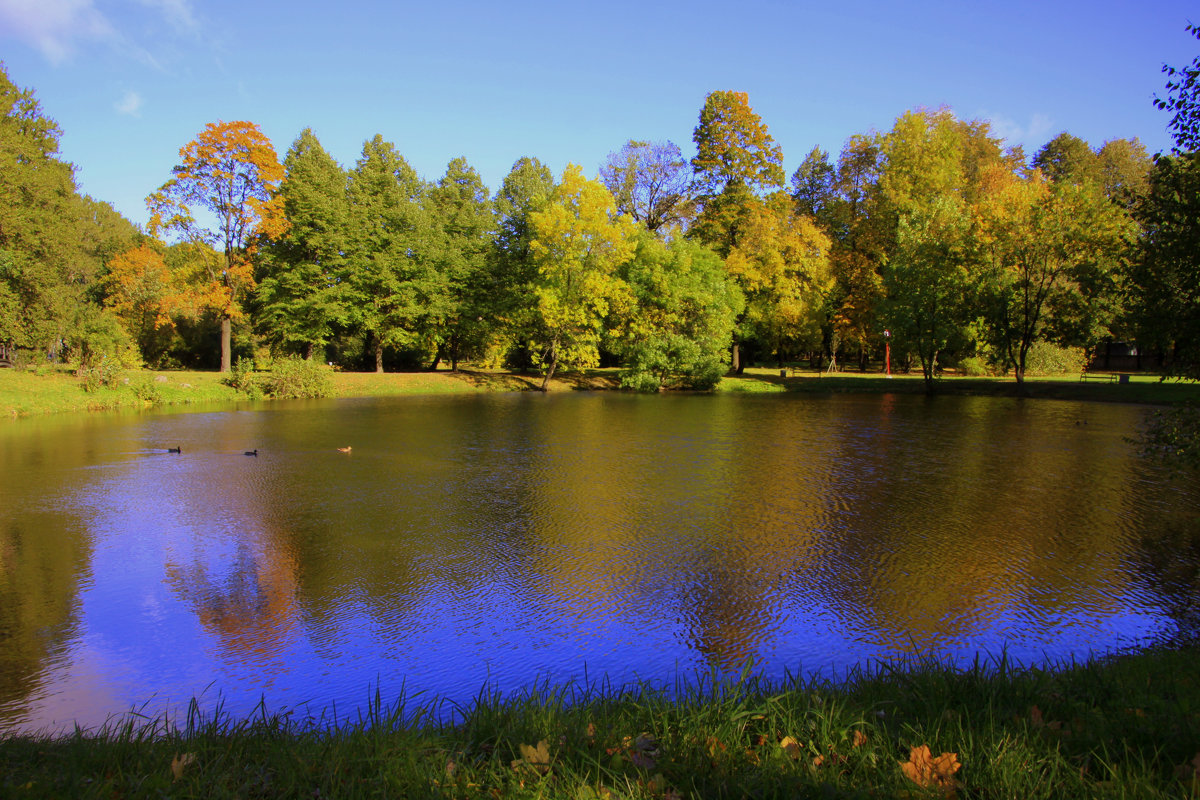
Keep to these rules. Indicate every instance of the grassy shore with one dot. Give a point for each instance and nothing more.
(47, 390)
(1125, 726)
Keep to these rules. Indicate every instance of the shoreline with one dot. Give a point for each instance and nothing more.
(1118, 725)
(29, 393)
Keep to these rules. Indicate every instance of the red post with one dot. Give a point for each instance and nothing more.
(887, 350)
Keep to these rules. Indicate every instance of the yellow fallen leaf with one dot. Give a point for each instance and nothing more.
(859, 739)
(818, 761)
(181, 762)
(932, 773)
(790, 746)
(536, 757)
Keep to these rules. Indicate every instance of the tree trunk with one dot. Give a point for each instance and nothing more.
(550, 367)
(226, 343)
(309, 349)
(378, 356)
(735, 359)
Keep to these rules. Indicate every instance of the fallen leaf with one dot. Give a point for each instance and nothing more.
(758, 741)
(859, 739)
(536, 757)
(932, 773)
(790, 746)
(181, 762)
(818, 761)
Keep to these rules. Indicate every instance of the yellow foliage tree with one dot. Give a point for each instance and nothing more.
(577, 243)
(231, 170)
(782, 267)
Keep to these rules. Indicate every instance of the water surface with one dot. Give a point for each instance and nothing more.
(500, 539)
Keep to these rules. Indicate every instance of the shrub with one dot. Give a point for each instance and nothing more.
(1045, 358)
(242, 378)
(144, 389)
(295, 377)
(974, 367)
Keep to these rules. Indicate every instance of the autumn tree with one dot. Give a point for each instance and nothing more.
(142, 291)
(736, 159)
(652, 183)
(1183, 101)
(781, 266)
(1067, 158)
(389, 280)
(301, 299)
(1050, 251)
(229, 170)
(577, 242)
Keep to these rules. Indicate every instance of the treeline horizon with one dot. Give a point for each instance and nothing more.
(931, 237)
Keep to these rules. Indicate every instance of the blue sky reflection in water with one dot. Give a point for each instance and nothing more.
(509, 538)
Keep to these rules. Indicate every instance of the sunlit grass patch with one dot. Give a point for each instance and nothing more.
(1124, 726)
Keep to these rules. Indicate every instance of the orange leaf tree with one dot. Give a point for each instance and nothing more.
(231, 171)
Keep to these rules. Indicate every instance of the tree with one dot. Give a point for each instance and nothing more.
(1050, 252)
(812, 184)
(736, 159)
(463, 221)
(577, 242)
(143, 293)
(782, 268)
(1124, 171)
(526, 189)
(1183, 101)
(1164, 277)
(1067, 158)
(301, 297)
(230, 169)
(925, 269)
(652, 183)
(388, 279)
(680, 326)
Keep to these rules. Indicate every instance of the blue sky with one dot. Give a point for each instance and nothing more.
(131, 81)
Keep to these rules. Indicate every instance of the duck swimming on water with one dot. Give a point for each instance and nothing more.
(174, 449)
(253, 452)
(344, 449)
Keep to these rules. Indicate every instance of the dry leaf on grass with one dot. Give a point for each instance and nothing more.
(859, 739)
(181, 762)
(536, 758)
(790, 746)
(932, 773)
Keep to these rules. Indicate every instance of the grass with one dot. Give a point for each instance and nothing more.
(1123, 726)
(47, 390)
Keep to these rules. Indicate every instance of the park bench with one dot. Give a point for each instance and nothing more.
(1108, 377)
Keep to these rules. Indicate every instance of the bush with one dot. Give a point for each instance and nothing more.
(1045, 358)
(102, 373)
(242, 378)
(295, 377)
(144, 389)
(974, 367)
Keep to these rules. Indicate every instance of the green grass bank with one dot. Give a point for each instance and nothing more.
(1122, 727)
(28, 392)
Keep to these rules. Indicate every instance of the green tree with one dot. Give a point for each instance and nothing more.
(231, 170)
(652, 183)
(301, 298)
(925, 269)
(682, 321)
(389, 281)
(813, 185)
(1183, 101)
(577, 242)
(1067, 158)
(463, 221)
(526, 190)
(1164, 277)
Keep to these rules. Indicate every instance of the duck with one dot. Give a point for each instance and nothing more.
(253, 452)
(345, 449)
(174, 449)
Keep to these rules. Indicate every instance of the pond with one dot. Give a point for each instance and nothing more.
(498, 540)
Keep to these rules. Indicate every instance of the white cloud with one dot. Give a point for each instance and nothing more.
(177, 12)
(1033, 134)
(130, 104)
(55, 27)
